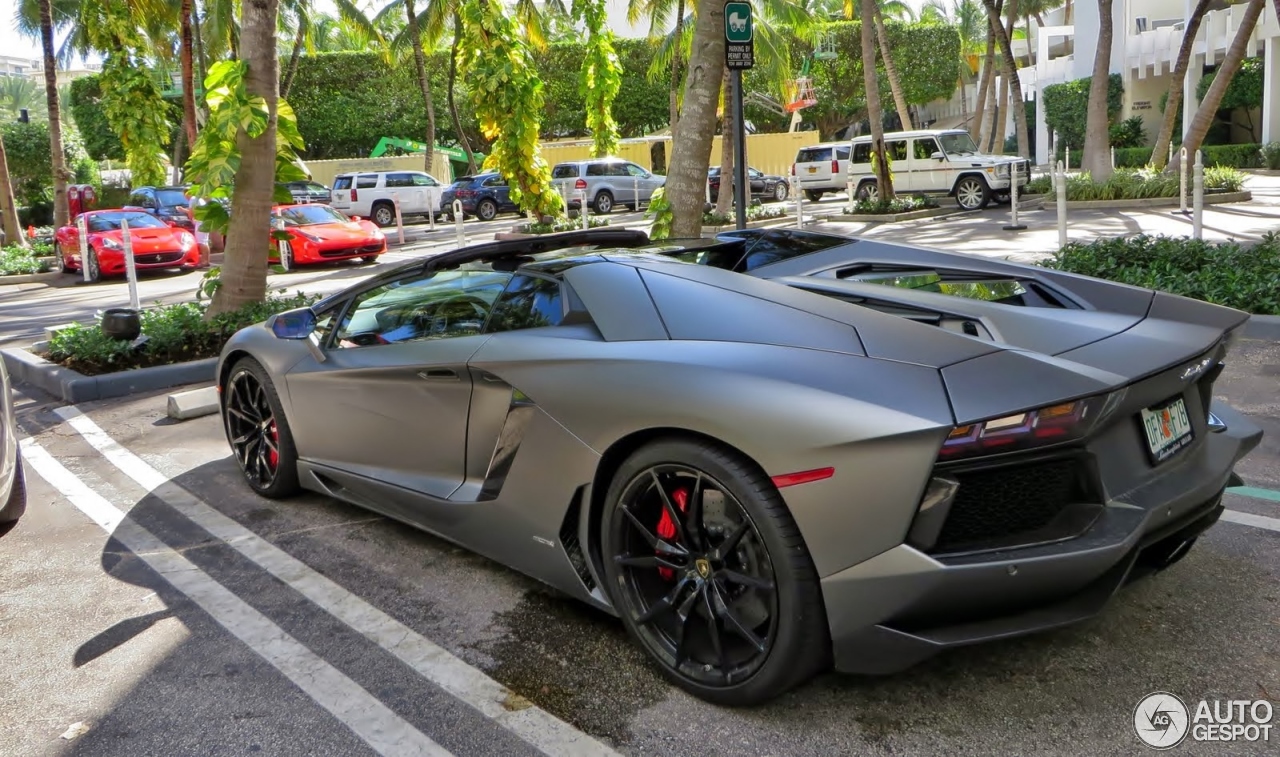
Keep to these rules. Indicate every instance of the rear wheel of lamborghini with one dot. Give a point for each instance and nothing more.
(258, 432)
(710, 575)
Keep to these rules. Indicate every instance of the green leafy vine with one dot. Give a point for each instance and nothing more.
(600, 78)
(661, 212)
(508, 98)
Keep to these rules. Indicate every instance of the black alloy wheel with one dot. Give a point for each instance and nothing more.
(487, 210)
(257, 430)
(690, 538)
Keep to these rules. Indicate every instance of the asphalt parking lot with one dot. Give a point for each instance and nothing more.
(152, 599)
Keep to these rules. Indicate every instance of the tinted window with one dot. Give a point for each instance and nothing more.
(958, 144)
(342, 182)
(897, 149)
(423, 180)
(367, 181)
(309, 215)
(813, 155)
(495, 181)
(565, 171)
(773, 246)
(926, 147)
(635, 170)
(753, 173)
(418, 307)
(862, 152)
(993, 290)
(597, 169)
(842, 153)
(397, 180)
(528, 303)
(172, 197)
(110, 220)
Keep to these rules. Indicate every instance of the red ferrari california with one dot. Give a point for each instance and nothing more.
(155, 244)
(320, 234)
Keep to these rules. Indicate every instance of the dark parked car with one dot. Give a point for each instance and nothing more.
(768, 452)
(484, 196)
(169, 204)
(308, 191)
(763, 186)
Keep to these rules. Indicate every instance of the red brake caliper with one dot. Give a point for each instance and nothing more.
(273, 457)
(667, 529)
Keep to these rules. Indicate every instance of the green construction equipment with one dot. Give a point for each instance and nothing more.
(457, 158)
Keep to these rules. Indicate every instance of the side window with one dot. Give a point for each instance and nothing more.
(342, 182)
(367, 181)
(842, 153)
(528, 303)
(419, 180)
(495, 181)
(565, 171)
(597, 169)
(897, 149)
(325, 321)
(399, 180)
(862, 153)
(418, 308)
(925, 147)
(634, 170)
(618, 169)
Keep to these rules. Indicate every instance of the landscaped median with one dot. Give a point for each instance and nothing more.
(1140, 188)
(21, 265)
(900, 208)
(178, 346)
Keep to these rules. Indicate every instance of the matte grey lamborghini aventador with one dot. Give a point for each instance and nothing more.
(767, 453)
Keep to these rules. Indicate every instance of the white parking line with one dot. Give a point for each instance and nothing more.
(367, 717)
(1249, 519)
(534, 725)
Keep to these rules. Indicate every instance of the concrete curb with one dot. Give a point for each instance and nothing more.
(1266, 327)
(73, 386)
(893, 217)
(193, 404)
(29, 278)
(1220, 198)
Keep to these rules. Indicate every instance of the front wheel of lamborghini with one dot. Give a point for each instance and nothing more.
(258, 432)
(710, 574)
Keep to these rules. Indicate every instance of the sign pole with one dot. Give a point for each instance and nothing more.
(739, 56)
(740, 193)
(130, 269)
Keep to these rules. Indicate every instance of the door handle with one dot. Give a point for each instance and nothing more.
(439, 374)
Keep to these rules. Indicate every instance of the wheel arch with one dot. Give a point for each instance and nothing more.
(966, 175)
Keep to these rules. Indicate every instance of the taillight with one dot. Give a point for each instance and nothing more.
(1064, 422)
(355, 196)
(835, 167)
(793, 169)
(580, 184)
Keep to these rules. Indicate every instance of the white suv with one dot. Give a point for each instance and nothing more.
(937, 162)
(370, 194)
(820, 169)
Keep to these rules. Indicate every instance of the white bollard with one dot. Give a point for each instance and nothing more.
(848, 190)
(459, 232)
(83, 232)
(586, 222)
(635, 193)
(1197, 217)
(1013, 197)
(277, 224)
(1066, 157)
(1062, 204)
(799, 210)
(395, 200)
(708, 188)
(1182, 182)
(1053, 162)
(1170, 158)
(431, 214)
(130, 269)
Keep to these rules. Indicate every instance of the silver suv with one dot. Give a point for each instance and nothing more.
(939, 162)
(606, 182)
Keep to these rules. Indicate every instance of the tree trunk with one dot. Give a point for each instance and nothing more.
(453, 106)
(891, 71)
(299, 37)
(8, 206)
(1097, 134)
(674, 93)
(1011, 73)
(202, 65)
(691, 147)
(424, 83)
(1001, 116)
(883, 181)
(188, 73)
(724, 196)
(1160, 153)
(984, 84)
(61, 176)
(1226, 72)
(244, 267)
(964, 102)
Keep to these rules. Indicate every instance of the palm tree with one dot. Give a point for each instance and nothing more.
(18, 92)
(1230, 64)
(658, 11)
(1159, 153)
(61, 176)
(967, 17)
(244, 267)
(1010, 75)
(884, 183)
(8, 205)
(300, 11)
(185, 52)
(1097, 155)
(691, 147)
(898, 10)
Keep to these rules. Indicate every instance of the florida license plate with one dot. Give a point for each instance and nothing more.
(813, 169)
(1168, 429)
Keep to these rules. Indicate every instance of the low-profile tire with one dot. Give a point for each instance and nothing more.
(781, 192)
(603, 204)
(487, 210)
(868, 191)
(695, 591)
(259, 435)
(383, 214)
(62, 261)
(369, 259)
(813, 195)
(16, 505)
(972, 193)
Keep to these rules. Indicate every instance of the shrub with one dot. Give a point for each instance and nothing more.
(1270, 154)
(1144, 183)
(899, 204)
(1038, 186)
(1224, 178)
(16, 260)
(1227, 273)
(765, 212)
(1128, 133)
(1066, 109)
(564, 224)
(175, 334)
(27, 149)
(1235, 156)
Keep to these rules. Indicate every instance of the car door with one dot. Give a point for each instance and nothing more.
(431, 191)
(400, 186)
(388, 404)
(342, 192)
(928, 174)
(900, 164)
(757, 182)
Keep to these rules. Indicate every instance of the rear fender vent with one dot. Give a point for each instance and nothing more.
(573, 545)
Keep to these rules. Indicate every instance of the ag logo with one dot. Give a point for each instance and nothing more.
(1161, 720)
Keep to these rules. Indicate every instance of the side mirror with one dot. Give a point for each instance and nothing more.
(938, 156)
(293, 324)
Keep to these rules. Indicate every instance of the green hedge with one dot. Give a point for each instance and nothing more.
(27, 149)
(85, 104)
(1227, 273)
(1227, 156)
(1137, 184)
(1066, 109)
(1245, 89)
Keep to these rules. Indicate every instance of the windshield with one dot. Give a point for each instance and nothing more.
(958, 144)
(168, 197)
(137, 220)
(310, 215)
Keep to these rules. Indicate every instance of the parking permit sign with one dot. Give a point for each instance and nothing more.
(739, 36)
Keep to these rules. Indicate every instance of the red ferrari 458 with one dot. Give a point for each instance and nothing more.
(155, 244)
(320, 234)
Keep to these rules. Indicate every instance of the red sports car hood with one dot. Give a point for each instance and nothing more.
(350, 231)
(145, 239)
